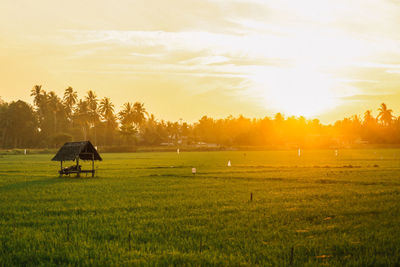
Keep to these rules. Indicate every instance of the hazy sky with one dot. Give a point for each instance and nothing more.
(188, 58)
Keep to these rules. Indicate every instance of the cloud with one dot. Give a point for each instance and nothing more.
(271, 54)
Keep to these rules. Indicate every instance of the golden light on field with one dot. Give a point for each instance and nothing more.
(324, 59)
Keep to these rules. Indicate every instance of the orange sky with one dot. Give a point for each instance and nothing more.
(188, 58)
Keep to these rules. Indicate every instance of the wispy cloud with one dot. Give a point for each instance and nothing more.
(300, 57)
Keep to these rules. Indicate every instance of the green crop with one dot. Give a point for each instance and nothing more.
(269, 208)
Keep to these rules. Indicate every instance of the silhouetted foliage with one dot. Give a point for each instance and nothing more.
(20, 127)
(52, 121)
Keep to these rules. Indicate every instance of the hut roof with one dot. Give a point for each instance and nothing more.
(71, 150)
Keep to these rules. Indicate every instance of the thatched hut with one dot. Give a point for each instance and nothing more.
(75, 151)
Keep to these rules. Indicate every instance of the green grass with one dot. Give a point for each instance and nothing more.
(148, 209)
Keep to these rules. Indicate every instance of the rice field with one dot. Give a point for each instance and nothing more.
(270, 208)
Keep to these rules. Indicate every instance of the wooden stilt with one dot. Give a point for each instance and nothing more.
(93, 165)
(78, 174)
(61, 169)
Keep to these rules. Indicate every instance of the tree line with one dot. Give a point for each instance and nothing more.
(53, 120)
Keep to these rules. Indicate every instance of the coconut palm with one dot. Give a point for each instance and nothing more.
(368, 118)
(52, 101)
(69, 100)
(126, 115)
(82, 116)
(106, 109)
(36, 92)
(5, 121)
(140, 113)
(385, 115)
(55, 111)
(92, 102)
(127, 119)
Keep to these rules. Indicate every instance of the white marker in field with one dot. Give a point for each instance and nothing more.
(194, 170)
(177, 151)
(299, 152)
(229, 163)
(25, 152)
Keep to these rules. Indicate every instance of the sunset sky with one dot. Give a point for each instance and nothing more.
(189, 58)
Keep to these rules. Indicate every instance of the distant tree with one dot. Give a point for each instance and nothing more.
(152, 133)
(92, 101)
(368, 118)
(21, 124)
(53, 120)
(50, 113)
(126, 115)
(204, 129)
(4, 122)
(185, 129)
(127, 118)
(61, 138)
(106, 109)
(94, 117)
(370, 130)
(54, 107)
(279, 118)
(140, 113)
(36, 92)
(69, 100)
(385, 115)
(82, 117)
(40, 102)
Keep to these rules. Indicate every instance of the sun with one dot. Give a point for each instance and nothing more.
(296, 91)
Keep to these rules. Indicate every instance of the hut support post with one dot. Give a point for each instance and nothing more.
(78, 174)
(93, 165)
(61, 168)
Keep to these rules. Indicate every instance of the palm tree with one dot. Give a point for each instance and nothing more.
(53, 104)
(36, 92)
(82, 116)
(126, 115)
(368, 118)
(106, 109)
(127, 119)
(39, 100)
(69, 100)
(370, 127)
(5, 121)
(152, 119)
(52, 100)
(385, 115)
(140, 113)
(91, 100)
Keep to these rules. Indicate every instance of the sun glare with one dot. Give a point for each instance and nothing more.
(296, 91)
(305, 58)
